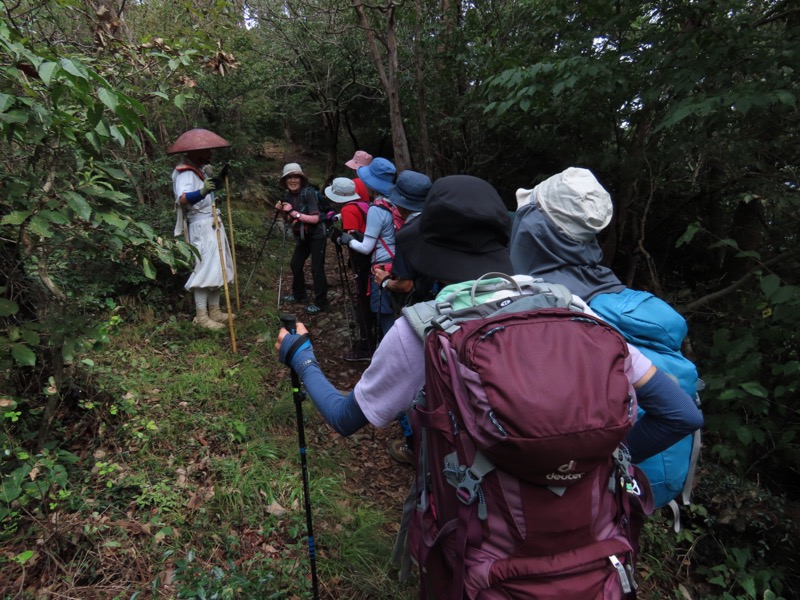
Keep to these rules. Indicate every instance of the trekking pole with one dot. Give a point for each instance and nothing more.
(261, 251)
(349, 315)
(280, 273)
(289, 322)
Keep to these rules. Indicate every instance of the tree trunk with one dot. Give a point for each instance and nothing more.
(391, 86)
(422, 116)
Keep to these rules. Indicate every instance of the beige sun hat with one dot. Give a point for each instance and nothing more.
(574, 201)
(292, 169)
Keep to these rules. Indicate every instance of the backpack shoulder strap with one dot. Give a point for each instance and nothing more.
(304, 196)
(420, 316)
(362, 206)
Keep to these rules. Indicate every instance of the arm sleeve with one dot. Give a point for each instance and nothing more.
(194, 197)
(309, 219)
(670, 415)
(341, 412)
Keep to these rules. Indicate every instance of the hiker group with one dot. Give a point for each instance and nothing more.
(545, 406)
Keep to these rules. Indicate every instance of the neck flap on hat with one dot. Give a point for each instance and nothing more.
(539, 250)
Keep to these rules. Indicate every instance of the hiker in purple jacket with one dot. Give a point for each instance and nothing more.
(462, 234)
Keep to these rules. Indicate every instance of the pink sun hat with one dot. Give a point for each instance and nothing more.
(360, 159)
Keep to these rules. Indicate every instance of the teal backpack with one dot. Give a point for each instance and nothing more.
(657, 330)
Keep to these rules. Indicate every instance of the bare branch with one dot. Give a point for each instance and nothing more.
(739, 283)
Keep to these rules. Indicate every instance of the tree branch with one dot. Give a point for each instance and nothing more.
(708, 298)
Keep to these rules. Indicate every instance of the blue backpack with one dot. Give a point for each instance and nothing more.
(657, 330)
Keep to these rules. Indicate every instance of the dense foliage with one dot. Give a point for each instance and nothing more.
(686, 111)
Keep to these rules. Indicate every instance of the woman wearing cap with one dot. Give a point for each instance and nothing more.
(462, 234)
(301, 211)
(378, 242)
(354, 222)
(194, 198)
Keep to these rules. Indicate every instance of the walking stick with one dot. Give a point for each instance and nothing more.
(261, 252)
(233, 242)
(290, 323)
(224, 275)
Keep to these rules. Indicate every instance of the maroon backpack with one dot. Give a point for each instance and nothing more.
(521, 488)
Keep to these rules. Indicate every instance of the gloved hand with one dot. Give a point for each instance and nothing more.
(358, 235)
(335, 234)
(208, 186)
(344, 239)
(330, 215)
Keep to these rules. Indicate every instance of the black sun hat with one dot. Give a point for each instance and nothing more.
(462, 233)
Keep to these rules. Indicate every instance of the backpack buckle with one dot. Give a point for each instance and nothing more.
(467, 480)
(443, 322)
(469, 488)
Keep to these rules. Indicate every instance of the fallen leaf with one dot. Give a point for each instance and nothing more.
(276, 509)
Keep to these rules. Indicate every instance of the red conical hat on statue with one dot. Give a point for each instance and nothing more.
(197, 139)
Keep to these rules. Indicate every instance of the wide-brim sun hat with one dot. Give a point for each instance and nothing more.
(197, 139)
(342, 190)
(379, 175)
(410, 190)
(574, 201)
(462, 233)
(360, 159)
(292, 169)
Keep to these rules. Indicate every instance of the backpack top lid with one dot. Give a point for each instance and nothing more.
(646, 320)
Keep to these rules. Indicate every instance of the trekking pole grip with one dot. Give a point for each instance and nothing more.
(289, 322)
